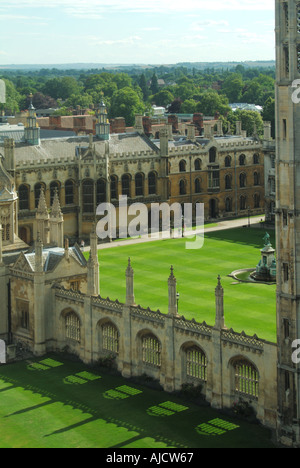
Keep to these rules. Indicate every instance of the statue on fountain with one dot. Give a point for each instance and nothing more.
(266, 268)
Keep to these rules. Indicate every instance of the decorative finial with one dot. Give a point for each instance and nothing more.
(42, 206)
(55, 209)
(31, 98)
(219, 285)
(172, 277)
(129, 270)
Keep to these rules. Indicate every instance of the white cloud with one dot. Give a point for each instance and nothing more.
(210, 23)
(11, 16)
(113, 42)
(164, 6)
(154, 28)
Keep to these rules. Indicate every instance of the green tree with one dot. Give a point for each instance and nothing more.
(154, 84)
(184, 91)
(122, 80)
(189, 106)
(82, 100)
(163, 98)
(62, 88)
(211, 102)
(13, 98)
(233, 86)
(253, 93)
(144, 87)
(93, 82)
(126, 103)
(249, 119)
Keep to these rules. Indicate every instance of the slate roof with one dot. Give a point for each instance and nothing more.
(12, 131)
(66, 148)
(53, 256)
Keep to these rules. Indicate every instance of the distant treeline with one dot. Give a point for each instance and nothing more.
(130, 90)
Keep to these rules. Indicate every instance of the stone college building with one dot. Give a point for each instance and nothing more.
(49, 191)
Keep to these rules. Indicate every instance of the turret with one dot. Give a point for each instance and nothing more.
(102, 124)
(32, 130)
(219, 294)
(173, 309)
(129, 284)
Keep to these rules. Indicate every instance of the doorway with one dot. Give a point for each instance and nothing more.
(213, 208)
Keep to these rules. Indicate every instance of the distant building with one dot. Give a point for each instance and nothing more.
(245, 106)
(174, 161)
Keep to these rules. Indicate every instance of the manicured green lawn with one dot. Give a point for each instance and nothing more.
(54, 403)
(248, 307)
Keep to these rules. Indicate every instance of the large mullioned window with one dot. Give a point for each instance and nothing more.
(151, 351)
(246, 379)
(196, 364)
(72, 327)
(110, 338)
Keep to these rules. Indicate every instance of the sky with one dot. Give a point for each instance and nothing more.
(135, 31)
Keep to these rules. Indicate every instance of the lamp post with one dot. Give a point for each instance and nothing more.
(248, 216)
(177, 298)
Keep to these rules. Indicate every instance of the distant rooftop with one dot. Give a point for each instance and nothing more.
(12, 131)
(244, 106)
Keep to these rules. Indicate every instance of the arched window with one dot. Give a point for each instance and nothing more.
(151, 351)
(256, 200)
(110, 338)
(256, 178)
(197, 185)
(113, 187)
(5, 231)
(54, 186)
(228, 204)
(228, 161)
(152, 183)
(242, 160)
(256, 159)
(139, 185)
(182, 166)
(72, 324)
(182, 187)
(126, 185)
(243, 203)
(228, 184)
(101, 191)
(212, 155)
(37, 193)
(88, 196)
(69, 192)
(196, 364)
(198, 164)
(242, 180)
(246, 378)
(23, 197)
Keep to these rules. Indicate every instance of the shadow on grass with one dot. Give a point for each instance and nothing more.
(245, 236)
(88, 396)
(133, 419)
